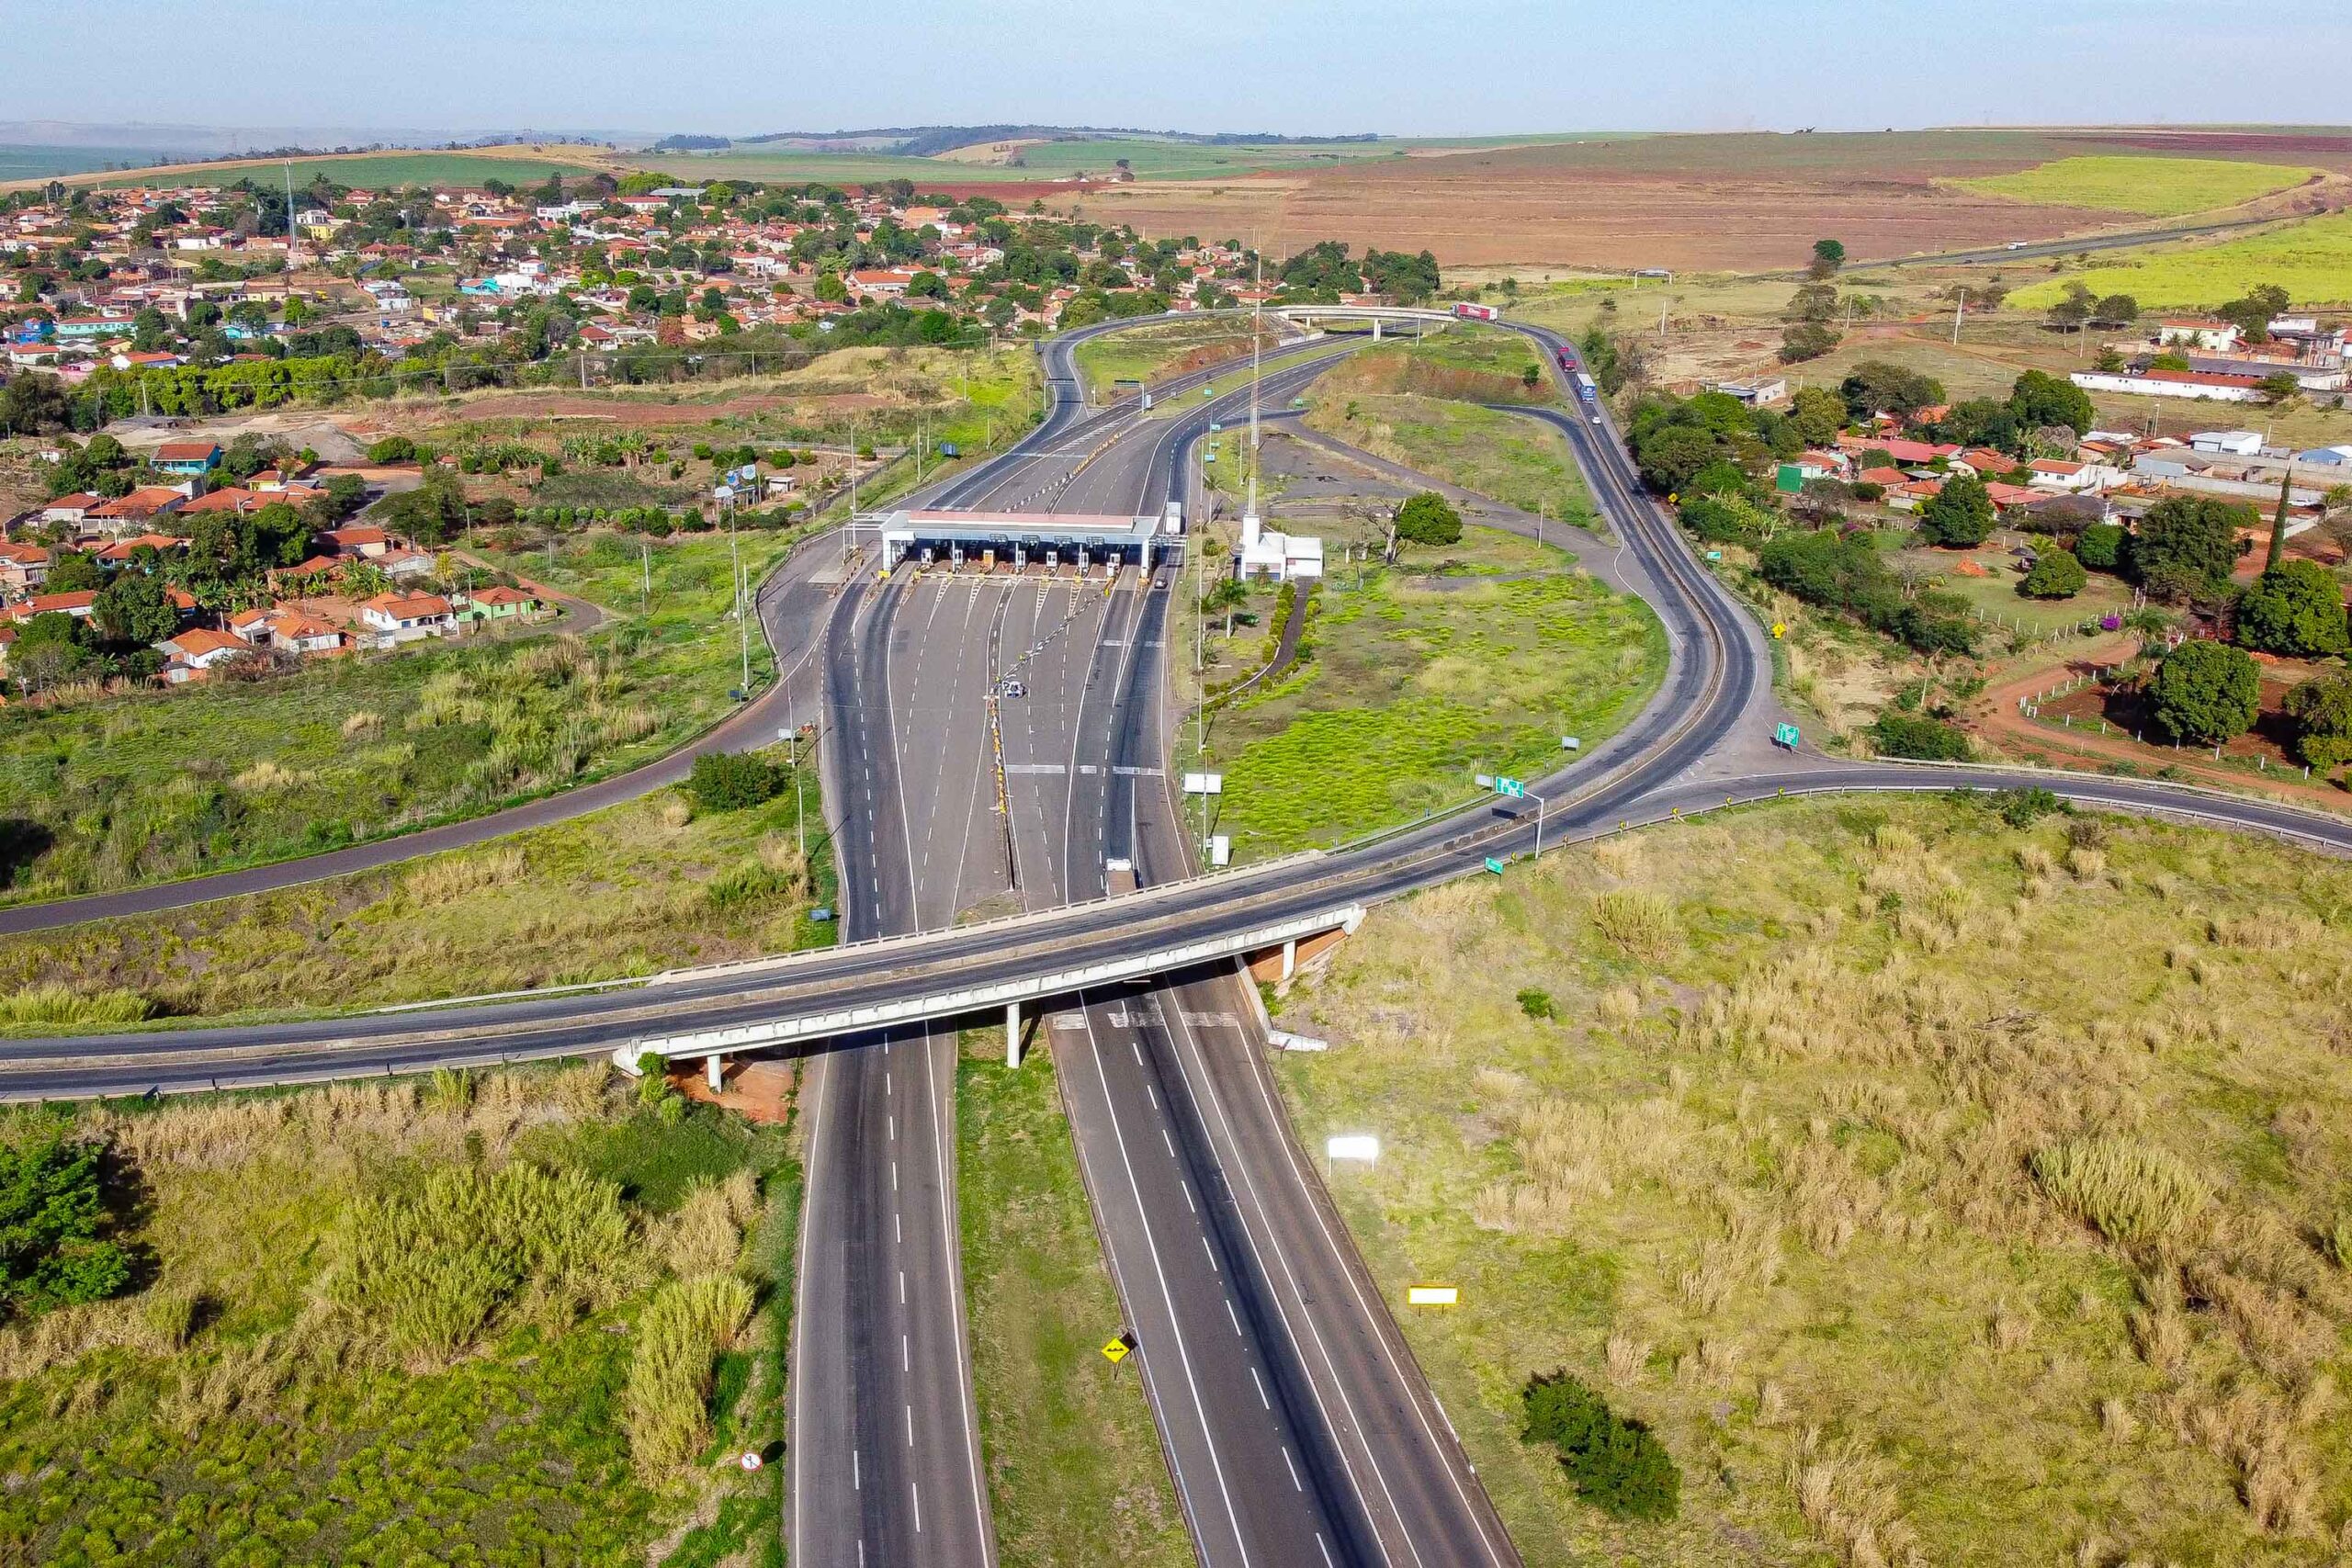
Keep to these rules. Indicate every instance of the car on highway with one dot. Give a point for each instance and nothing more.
(1011, 689)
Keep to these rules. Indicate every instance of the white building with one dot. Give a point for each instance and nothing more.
(2194, 384)
(1285, 557)
(2237, 443)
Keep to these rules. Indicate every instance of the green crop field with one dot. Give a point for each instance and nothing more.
(45, 163)
(2311, 260)
(1786, 1131)
(2153, 188)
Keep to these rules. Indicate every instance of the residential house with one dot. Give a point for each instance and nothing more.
(404, 617)
(498, 603)
(135, 511)
(2056, 473)
(2206, 385)
(404, 563)
(75, 604)
(2207, 333)
(292, 631)
(72, 511)
(187, 458)
(23, 566)
(357, 539)
(1285, 557)
(190, 655)
(122, 549)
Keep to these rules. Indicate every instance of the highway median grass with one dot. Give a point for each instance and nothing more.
(1941, 1180)
(1149, 354)
(1075, 1471)
(629, 890)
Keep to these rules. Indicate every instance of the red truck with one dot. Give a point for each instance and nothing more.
(1470, 312)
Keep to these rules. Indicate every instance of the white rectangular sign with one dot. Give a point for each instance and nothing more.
(1204, 783)
(1432, 1295)
(1353, 1145)
(1221, 850)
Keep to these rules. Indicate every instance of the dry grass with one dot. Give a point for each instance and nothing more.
(1974, 1182)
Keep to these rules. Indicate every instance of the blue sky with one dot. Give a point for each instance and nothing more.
(1387, 66)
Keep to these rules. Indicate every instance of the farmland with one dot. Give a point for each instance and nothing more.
(249, 1403)
(2152, 187)
(1773, 1128)
(381, 171)
(2311, 260)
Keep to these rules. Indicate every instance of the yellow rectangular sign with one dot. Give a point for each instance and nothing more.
(1431, 1295)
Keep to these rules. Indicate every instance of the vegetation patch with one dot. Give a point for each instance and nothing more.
(1964, 1183)
(1075, 1473)
(2154, 187)
(2311, 260)
(393, 1322)
(1506, 457)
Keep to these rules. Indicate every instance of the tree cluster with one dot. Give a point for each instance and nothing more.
(1615, 1463)
(1845, 572)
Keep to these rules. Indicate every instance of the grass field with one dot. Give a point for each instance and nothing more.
(1476, 658)
(242, 1406)
(1146, 354)
(628, 890)
(2152, 187)
(383, 171)
(145, 786)
(45, 162)
(1938, 1191)
(1075, 1473)
(2311, 260)
(1504, 456)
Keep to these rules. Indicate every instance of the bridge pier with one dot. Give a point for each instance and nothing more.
(1290, 948)
(1012, 1034)
(1376, 329)
(714, 1070)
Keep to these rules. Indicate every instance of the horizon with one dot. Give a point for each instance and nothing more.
(1385, 67)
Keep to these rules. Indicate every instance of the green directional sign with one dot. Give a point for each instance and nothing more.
(1510, 788)
(1785, 735)
(1493, 865)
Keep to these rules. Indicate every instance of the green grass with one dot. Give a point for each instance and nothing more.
(1998, 595)
(150, 785)
(2153, 188)
(2311, 260)
(1784, 1157)
(1503, 456)
(1414, 683)
(1075, 1473)
(1146, 354)
(279, 1432)
(18, 162)
(626, 890)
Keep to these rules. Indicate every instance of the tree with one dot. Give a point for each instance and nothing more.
(2186, 546)
(2116, 311)
(393, 449)
(2295, 608)
(1616, 1463)
(34, 405)
(1806, 340)
(2279, 387)
(149, 330)
(2322, 710)
(1428, 519)
(729, 781)
(2101, 547)
(74, 572)
(831, 289)
(1876, 387)
(1958, 515)
(1918, 739)
(2040, 397)
(2253, 314)
(1828, 255)
(132, 610)
(2056, 574)
(2071, 312)
(53, 1210)
(1819, 415)
(2205, 692)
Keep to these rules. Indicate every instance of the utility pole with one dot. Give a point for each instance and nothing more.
(1959, 306)
(1257, 329)
(645, 581)
(290, 222)
(742, 614)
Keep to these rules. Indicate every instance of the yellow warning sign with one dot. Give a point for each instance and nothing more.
(1780, 629)
(1116, 1351)
(1432, 1295)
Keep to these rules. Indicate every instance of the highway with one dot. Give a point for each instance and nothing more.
(1295, 1424)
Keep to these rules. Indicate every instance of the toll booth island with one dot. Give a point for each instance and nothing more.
(1024, 539)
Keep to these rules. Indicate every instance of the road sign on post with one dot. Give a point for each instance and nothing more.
(1510, 789)
(1493, 865)
(1119, 1347)
(1204, 783)
(1785, 736)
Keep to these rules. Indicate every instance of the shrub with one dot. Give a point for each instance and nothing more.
(2186, 546)
(2055, 575)
(1918, 737)
(52, 1210)
(1537, 1003)
(2206, 691)
(1642, 925)
(2295, 608)
(2322, 710)
(2130, 1191)
(1616, 1463)
(729, 781)
(2024, 808)
(666, 1402)
(2101, 547)
(1428, 519)
(393, 449)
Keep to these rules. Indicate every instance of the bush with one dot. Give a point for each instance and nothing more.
(1428, 519)
(52, 1208)
(2323, 713)
(1642, 925)
(2130, 1191)
(2186, 546)
(2024, 808)
(1845, 572)
(1616, 1463)
(2296, 608)
(2206, 691)
(2055, 575)
(393, 449)
(666, 1402)
(2101, 547)
(1537, 1003)
(729, 781)
(1919, 738)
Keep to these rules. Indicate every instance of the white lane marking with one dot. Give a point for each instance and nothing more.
(856, 1482)
(910, 1419)
(1168, 1141)
(1188, 1197)
(894, 1126)
(1260, 1384)
(917, 1489)
(1323, 1549)
(898, 1230)
(906, 1355)
(1293, 1472)
(1234, 1315)
(902, 1287)
(1167, 1302)
(894, 1176)
(1211, 1252)
(1154, 1094)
